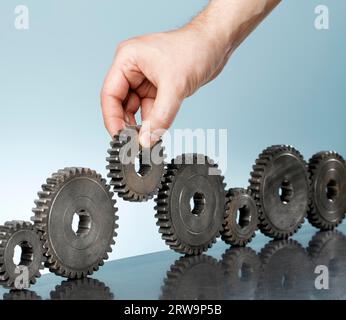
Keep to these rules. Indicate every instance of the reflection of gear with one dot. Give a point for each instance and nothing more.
(193, 278)
(191, 229)
(242, 267)
(328, 249)
(242, 207)
(81, 193)
(128, 183)
(328, 174)
(24, 235)
(81, 289)
(286, 271)
(21, 295)
(281, 186)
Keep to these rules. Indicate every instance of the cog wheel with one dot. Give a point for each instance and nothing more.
(21, 295)
(286, 271)
(130, 184)
(191, 204)
(24, 235)
(241, 269)
(280, 184)
(327, 248)
(242, 218)
(69, 195)
(193, 278)
(82, 289)
(328, 175)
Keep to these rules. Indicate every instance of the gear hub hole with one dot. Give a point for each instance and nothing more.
(197, 203)
(332, 190)
(81, 223)
(286, 191)
(245, 272)
(23, 254)
(243, 217)
(142, 167)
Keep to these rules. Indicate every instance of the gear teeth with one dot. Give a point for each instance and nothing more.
(42, 211)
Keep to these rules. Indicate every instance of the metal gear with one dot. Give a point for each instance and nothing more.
(327, 248)
(130, 184)
(69, 194)
(82, 289)
(24, 235)
(241, 270)
(241, 222)
(328, 175)
(194, 278)
(191, 204)
(21, 295)
(281, 187)
(286, 271)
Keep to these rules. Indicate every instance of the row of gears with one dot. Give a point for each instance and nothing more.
(283, 269)
(193, 208)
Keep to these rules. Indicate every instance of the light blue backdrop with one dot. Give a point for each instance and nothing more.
(285, 84)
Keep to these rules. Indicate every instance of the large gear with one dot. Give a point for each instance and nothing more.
(194, 278)
(130, 184)
(191, 204)
(82, 289)
(242, 218)
(24, 235)
(76, 193)
(21, 295)
(328, 175)
(281, 186)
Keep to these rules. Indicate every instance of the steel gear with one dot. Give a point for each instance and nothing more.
(286, 271)
(281, 187)
(76, 193)
(327, 248)
(21, 295)
(328, 175)
(191, 204)
(82, 289)
(242, 218)
(24, 235)
(130, 184)
(241, 269)
(194, 278)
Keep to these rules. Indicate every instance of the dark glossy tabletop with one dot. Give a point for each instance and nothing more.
(264, 270)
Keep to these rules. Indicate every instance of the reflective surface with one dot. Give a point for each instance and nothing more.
(264, 270)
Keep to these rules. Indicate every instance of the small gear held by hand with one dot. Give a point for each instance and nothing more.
(191, 204)
(241, 221)
(81, 195)
(280, 184)
(130, 183)
(24, 235)
(328, 175)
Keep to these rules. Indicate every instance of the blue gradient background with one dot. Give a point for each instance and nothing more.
(285, 84)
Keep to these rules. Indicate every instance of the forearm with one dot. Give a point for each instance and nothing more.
(229, 22)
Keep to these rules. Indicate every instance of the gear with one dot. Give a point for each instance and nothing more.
(281, 187)
(130, 184)
(81, 289)
(76, 193)
(327, 248)
(191, 204)
(328, 175)
(286, 271)
(194, 278)
(21, 295)
(242, 267)
(242, 218)
(24, 235)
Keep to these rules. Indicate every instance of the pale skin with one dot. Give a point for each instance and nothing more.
(154, 73)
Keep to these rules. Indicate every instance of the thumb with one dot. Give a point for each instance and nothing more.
(160, 117)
